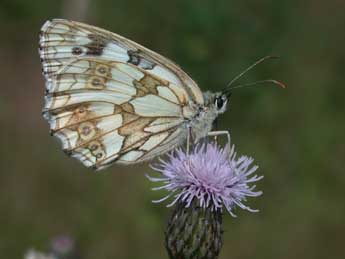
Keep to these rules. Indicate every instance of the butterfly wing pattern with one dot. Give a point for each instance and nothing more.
(108, 99)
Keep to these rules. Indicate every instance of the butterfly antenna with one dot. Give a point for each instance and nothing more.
(272, 81)
(226, 89)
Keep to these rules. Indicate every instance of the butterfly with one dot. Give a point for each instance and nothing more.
(111, 100)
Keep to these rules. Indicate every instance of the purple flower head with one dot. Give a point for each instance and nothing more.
(210, 174)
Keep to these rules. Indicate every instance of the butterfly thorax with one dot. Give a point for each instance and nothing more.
(202, 122)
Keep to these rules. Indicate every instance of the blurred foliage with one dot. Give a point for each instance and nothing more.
(295, 135)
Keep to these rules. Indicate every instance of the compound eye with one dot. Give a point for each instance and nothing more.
(219, 102)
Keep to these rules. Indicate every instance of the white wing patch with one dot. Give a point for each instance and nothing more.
(161, 124)
(153, 140)
(154, 106)
(113, 142)
(133, 155)
(90, 96)
(166, 93)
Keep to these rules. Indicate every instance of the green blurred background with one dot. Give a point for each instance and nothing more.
(295, 135)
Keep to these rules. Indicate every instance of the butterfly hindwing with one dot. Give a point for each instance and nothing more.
(99, 133)
(104, 111)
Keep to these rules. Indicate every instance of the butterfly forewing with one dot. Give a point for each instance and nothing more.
(109, 99)
(61, 40)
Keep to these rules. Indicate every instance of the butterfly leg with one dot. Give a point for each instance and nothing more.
(215, 138)
(218, 133)
(188, 140)
(215, 127)
(221, 132)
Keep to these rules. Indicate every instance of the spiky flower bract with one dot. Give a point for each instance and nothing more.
(212, 175)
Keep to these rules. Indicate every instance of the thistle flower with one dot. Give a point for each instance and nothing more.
(202, 183)
(214, 176)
